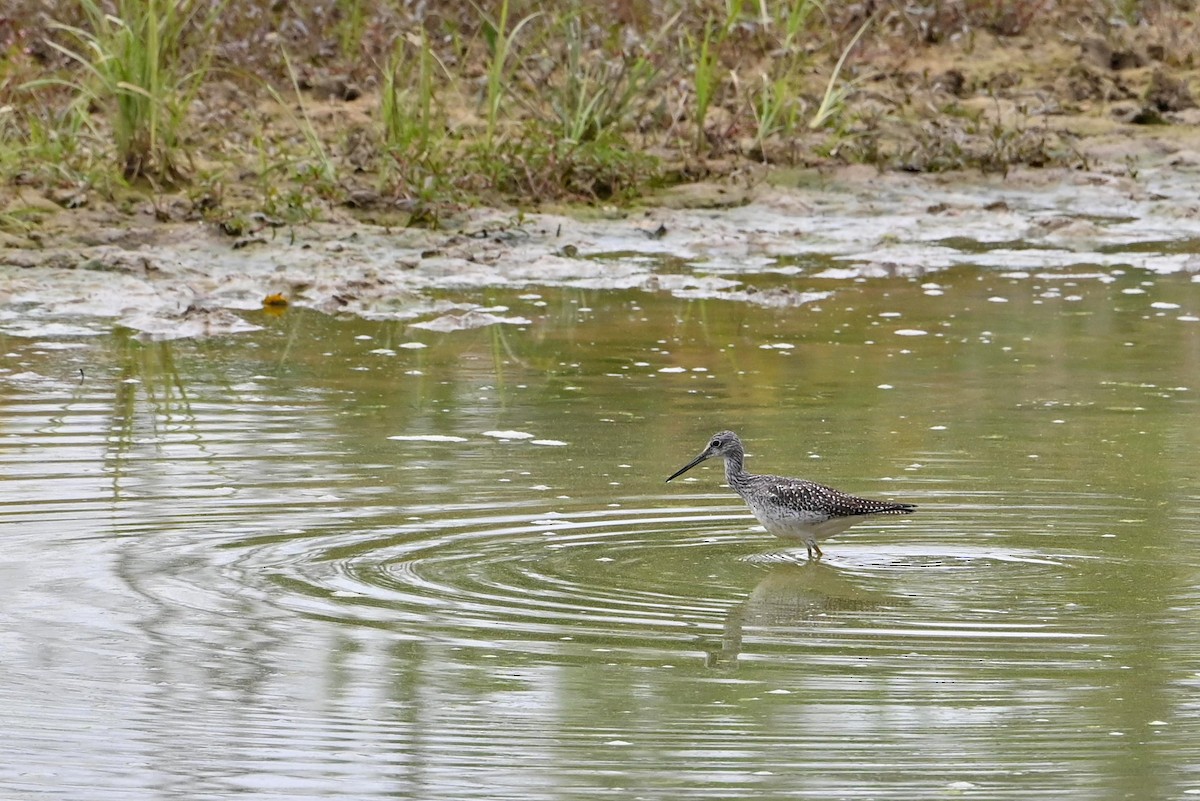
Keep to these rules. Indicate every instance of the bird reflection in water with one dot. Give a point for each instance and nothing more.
(791, 598)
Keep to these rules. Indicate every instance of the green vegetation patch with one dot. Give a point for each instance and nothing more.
(217, 110)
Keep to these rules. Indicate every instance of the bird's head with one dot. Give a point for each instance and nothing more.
(722, 444)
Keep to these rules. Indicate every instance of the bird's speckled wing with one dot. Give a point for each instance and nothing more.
(808, 498)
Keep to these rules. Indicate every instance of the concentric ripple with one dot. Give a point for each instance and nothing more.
(489, 575)
(642, 576)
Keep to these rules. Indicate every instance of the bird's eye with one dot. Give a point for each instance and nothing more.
(716, 443)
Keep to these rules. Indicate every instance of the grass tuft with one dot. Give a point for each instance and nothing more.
(500, 41)
(412, 125)
(133, 70)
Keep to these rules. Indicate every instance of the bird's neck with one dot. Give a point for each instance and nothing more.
(735, 472)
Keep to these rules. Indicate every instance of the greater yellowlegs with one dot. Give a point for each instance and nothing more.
(791, 508)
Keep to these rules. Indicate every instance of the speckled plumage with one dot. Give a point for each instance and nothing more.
(791, 508)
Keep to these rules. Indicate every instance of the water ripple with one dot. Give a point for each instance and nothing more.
(638, 576)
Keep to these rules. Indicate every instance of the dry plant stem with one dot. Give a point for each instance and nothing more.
(325, 167)
(835, 97)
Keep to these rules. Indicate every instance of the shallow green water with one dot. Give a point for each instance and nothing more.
(223, 575)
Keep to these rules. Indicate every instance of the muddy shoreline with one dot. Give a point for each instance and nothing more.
(782, 243)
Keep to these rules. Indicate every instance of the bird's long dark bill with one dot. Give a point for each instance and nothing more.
(688, 466)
